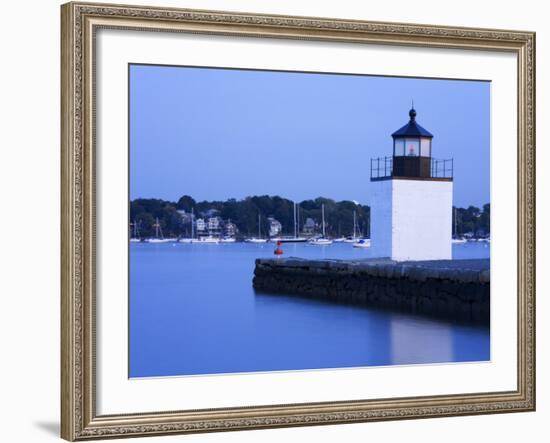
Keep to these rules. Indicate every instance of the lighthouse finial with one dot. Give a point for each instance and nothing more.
(412, 112)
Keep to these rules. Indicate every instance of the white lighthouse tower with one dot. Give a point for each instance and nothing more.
(412, 197)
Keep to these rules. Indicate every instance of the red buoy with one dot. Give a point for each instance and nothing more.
(278, 251)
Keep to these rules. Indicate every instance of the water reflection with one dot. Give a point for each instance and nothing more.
(420, 341)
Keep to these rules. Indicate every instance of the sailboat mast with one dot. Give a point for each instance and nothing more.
(323, 217)
(192, 222)
(157, 225)
(259, 226)
(354, 225)
(295, 232)
(298, 218)
(368, 225)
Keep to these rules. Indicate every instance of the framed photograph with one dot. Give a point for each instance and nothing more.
(283, 221)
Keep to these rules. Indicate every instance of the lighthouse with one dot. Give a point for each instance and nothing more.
(412, 197)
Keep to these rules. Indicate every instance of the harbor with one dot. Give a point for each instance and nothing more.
(346, 225)
(272, 283)
(200, 298)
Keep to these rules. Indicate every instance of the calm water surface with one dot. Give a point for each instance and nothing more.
(193, 311)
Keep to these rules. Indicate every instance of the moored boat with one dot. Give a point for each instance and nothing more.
(159, 236)
(192, 238)
(258, 239)
(208, 239)
(160, 240)
(351, 239)
(354, 238)
(321, 241)
(136, 237)
(288, 239)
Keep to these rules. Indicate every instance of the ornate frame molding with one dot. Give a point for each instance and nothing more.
(79, 23)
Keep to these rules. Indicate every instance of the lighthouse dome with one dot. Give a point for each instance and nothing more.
(412, 128)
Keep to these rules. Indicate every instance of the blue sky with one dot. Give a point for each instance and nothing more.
(216, 134)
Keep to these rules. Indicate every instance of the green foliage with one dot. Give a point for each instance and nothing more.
(244, 213)
(472, 221)
(186, 203)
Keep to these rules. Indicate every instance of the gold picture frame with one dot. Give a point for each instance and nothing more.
(79, 22)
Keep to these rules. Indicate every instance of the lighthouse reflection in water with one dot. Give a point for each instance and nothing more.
(184, 321)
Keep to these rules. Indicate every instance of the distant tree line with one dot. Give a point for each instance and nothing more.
(244, 214)
(472, 221)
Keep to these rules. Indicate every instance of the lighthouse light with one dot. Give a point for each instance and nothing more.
(412, 147)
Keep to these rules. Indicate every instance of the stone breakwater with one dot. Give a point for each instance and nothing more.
(455, 289)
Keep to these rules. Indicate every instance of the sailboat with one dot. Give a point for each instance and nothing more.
(187, 239)
(258, 239)
(321, 241)
(159, 237)
(289, 239)
(206, 239)
(354, 238)
(135, 236)
(362, 243)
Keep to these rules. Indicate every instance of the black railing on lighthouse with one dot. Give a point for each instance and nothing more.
(382, 168)
(442, 168)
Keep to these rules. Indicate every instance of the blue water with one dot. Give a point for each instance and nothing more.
(193, 311)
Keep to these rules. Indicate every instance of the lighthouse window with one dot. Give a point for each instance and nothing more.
(425, 145)
(412, 147)
(399, 147)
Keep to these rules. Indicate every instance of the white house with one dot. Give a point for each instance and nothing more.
(309, 226)
(230, 229)
(213, 223)
(275, 227)
(200, 225)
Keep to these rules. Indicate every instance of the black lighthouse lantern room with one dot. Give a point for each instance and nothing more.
(412, 150)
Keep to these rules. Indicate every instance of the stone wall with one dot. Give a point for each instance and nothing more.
(455, 289)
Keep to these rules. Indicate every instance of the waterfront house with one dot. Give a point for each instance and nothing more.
(200, 225)
(214, 226)
(230, 229)
(275, 227)
(309, 226)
